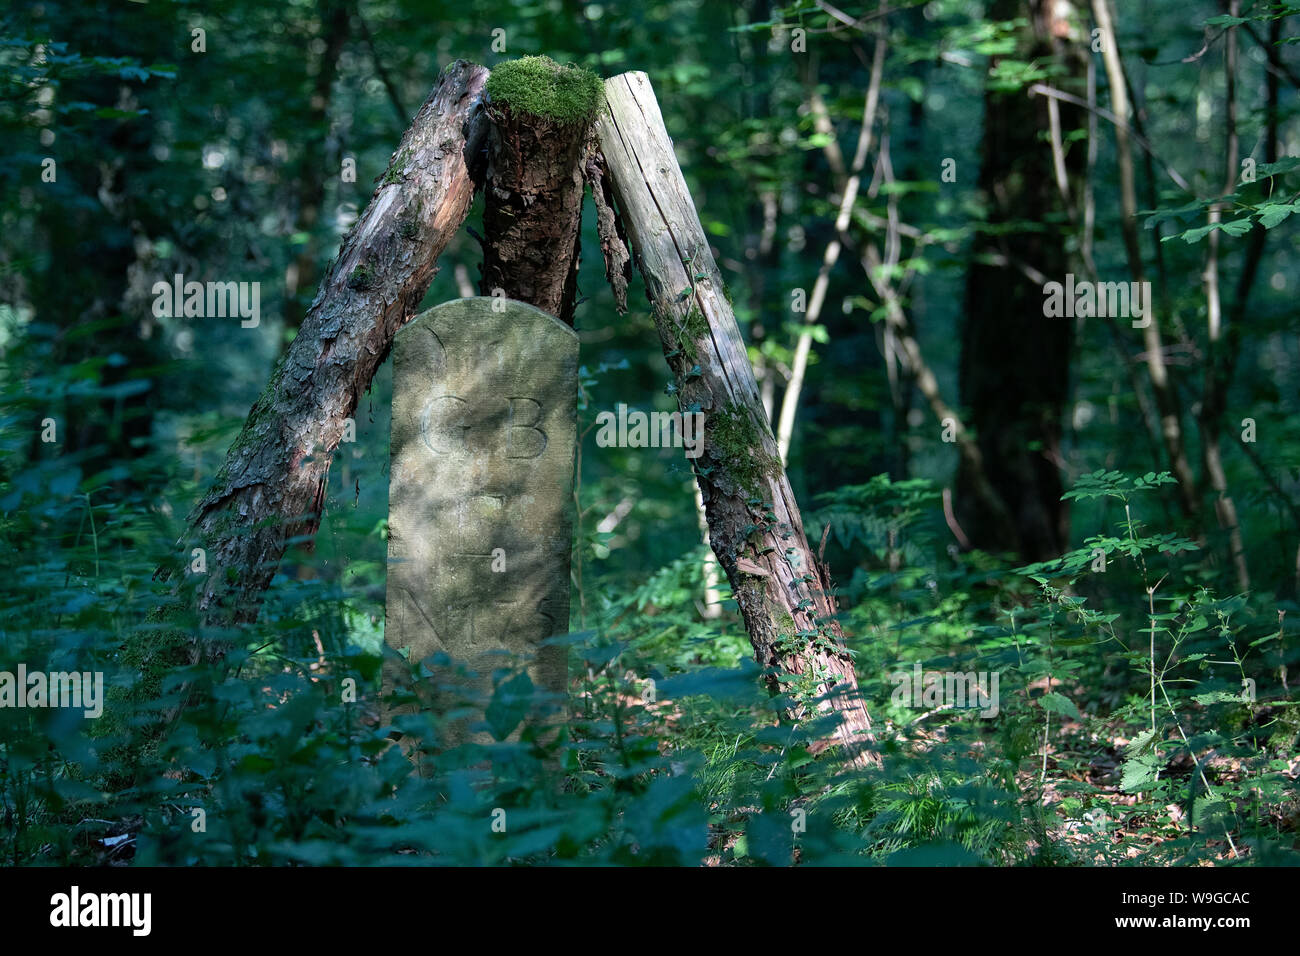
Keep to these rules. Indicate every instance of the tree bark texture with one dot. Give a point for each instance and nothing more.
(532, 215)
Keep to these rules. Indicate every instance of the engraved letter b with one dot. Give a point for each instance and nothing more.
(523, 438)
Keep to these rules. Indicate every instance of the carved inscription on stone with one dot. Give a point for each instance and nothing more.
(480, 497)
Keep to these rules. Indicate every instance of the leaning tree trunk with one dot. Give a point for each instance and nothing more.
(754, 523)
(272, 485)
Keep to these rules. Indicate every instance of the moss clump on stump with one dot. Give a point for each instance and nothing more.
(538, 85)
(532, 213)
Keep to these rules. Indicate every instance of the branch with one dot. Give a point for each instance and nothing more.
(272, 486)
(1110, 117)
(849, 196)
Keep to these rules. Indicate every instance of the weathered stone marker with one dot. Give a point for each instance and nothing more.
(480, 494)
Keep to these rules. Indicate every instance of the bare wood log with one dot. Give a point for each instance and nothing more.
(755, 527)
(272, 485)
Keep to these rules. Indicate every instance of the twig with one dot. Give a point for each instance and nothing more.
(403, 117)
(1044, 90)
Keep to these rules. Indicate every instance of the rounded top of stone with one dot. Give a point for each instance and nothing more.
(485, 305)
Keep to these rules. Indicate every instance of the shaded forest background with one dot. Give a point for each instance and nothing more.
(1105, 515)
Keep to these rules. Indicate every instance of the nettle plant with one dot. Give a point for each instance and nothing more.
(1116, 724)
(1196, 743)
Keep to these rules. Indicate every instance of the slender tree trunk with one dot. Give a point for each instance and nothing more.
(711, 607)
(852, 182)
(970, 458)
(1214, 396)
(1167, 403)
(272, 485)
(763, 252)
(335, 17)
(754, 524)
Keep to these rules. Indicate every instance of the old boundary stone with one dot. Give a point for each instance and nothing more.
(480, 496)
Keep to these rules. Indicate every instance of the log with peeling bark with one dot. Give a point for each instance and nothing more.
(272, 485)
(754, 524)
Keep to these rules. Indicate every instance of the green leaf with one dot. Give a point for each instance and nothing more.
(1060, 704)
(509, 705)
(1283, 165)
(1217, 697)
(1226, 21)
(1139, 773)
(1271, 214)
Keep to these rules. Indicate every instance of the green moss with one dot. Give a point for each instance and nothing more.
(540, 86)
(694, 328)
(363, 277)
(736, 443)
(788, 642)
(785, 623)
(408, 226)
(394, 172)
(686, 333)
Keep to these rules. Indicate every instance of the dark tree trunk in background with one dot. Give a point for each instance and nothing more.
(904, 393)
(313, 167)
(272, 485)
(763, 253)
(1015, 363)
(532, 215)
(89, 297)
